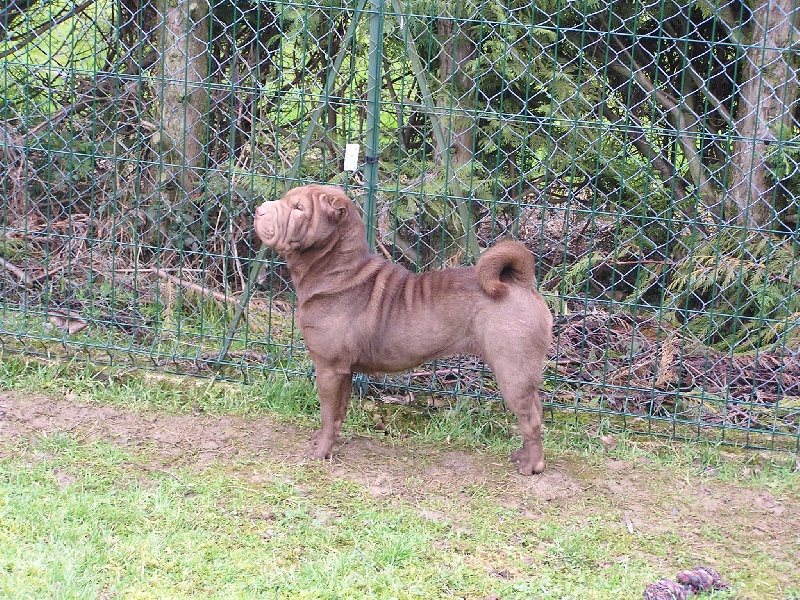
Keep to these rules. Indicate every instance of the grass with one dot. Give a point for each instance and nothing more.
(84, 521)
(87, 521)
(83, 518)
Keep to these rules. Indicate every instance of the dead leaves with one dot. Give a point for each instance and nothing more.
(67, 320)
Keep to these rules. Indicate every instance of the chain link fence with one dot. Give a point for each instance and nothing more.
(646, 152)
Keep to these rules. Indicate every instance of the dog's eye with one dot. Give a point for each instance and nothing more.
(297, 207)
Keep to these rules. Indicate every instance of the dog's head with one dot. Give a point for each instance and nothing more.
(306, 217)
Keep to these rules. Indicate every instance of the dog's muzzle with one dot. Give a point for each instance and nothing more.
(265, 222)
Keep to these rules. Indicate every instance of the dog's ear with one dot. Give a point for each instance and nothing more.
(339, 205)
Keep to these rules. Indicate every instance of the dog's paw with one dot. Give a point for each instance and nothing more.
(526, 464)
(531, 468)
(316, 453)
(319, 448)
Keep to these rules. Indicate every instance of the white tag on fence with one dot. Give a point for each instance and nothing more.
(351, 157)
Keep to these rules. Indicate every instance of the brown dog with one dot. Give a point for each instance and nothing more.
(359, 313)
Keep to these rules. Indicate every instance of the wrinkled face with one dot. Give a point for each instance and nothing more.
(305, 217)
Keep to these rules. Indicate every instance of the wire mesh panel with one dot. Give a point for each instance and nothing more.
(646, 153)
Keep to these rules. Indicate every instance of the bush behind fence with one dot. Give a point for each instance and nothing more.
(647, 153)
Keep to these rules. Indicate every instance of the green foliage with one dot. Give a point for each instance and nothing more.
(738, 293)
(12, 248)
(784, 160)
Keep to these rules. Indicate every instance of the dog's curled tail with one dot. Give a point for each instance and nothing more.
(505, 263)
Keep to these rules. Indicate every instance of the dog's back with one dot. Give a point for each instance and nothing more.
(412, 318)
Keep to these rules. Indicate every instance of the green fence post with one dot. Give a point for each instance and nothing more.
(373, 115)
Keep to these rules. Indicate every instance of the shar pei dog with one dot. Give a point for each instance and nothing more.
(360, 313)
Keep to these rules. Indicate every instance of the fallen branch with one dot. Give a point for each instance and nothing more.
(54, 270)
(250, 356)
(16, 271)
(149, 270)
(195, 287)
(384, 251)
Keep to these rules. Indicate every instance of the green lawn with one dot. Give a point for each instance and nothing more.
(140, 487)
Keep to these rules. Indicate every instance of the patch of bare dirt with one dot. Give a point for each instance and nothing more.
(178, 438)
(383, 469)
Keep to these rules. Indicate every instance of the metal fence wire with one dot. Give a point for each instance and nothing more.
(647, 152)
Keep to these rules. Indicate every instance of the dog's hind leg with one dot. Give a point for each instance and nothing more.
(521, 394)
(334, 388)
(528, 410)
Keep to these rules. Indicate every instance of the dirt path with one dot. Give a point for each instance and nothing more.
(647, 498)
(199, 438)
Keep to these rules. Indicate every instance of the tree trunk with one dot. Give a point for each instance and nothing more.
(454, 149)
(456, 85)
(180, 96)
(766, 101)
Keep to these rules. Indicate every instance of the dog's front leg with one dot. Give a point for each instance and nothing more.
(333, 387)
